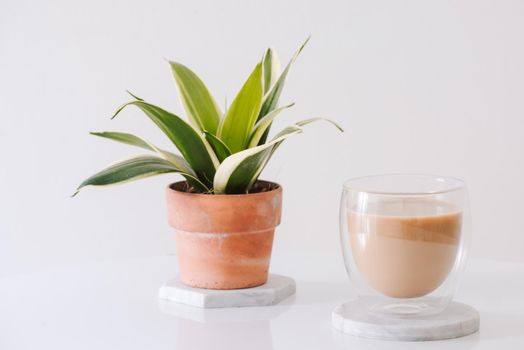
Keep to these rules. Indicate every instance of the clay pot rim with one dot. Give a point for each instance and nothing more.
(277, 188)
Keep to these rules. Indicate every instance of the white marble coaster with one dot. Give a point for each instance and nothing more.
(274, 291)
(455, 321)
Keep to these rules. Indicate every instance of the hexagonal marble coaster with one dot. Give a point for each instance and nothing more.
(274, 291)
(457, 320)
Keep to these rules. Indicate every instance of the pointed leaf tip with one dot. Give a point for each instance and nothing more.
(241, 116)
(134, 96)
(311, 120)
(273, 95)
(200, 105)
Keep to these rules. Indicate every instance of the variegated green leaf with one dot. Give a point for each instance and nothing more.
(191, 144)
(220, 148)
(136, 168)
(242, 114)
(273, 95)
(238, 172)
(201, 108)
(305, 122)
(134, 96)
(133, 140)
(123, 137)
(263, 124)
(311, 120)
(271, 68)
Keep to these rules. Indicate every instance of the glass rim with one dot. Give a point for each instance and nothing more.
(455, 184)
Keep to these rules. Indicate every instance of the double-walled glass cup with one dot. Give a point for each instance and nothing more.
(404, 241)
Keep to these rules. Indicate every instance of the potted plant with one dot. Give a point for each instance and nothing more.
(223, 215)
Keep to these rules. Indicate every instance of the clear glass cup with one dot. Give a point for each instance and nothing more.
(404, 240)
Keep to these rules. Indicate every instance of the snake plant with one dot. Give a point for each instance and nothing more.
(220, 152)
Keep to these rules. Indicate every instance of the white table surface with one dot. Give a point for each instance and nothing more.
(114, 305)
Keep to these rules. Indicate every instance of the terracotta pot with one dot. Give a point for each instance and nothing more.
(224, 241)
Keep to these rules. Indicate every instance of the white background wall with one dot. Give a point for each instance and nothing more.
(421, 86)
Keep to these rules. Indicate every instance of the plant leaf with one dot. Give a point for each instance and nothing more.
(192, 145)
(123, 137)
(220, 148)
(272, 97)
(261, 126)
(271, 68)
(134, 96)
(242, 114)
(305, 122)
(238, 172)
(133, 169)
(201, 108)
(311, 120)
(133, 140)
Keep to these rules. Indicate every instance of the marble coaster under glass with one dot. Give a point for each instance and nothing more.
(457, 320)
(274, 291)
